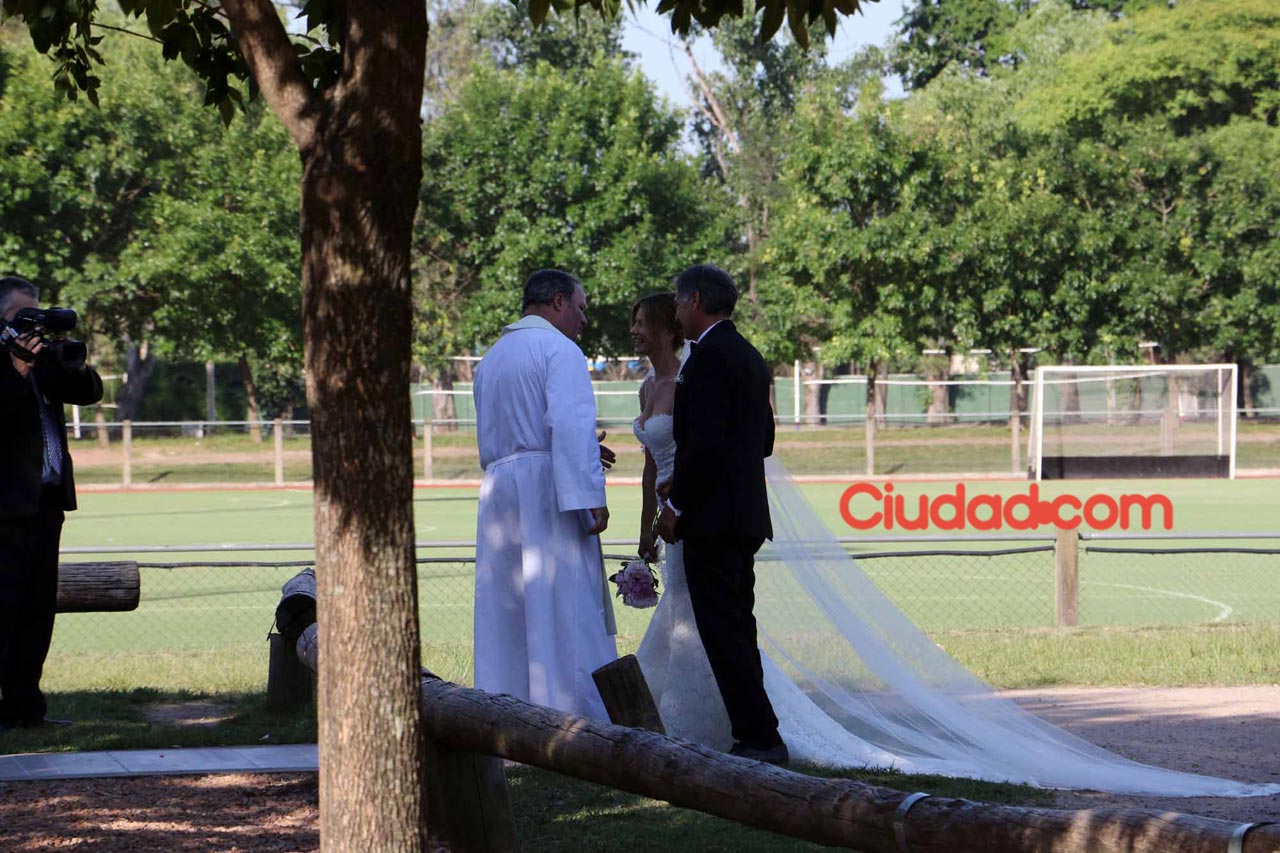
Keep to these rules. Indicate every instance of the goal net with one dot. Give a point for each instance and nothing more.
(1133, 421)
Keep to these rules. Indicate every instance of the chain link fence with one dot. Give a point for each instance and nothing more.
(226, 607)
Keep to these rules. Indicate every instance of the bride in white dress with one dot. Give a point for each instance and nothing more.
(862, 686)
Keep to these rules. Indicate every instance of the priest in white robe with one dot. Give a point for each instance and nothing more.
(540, 609)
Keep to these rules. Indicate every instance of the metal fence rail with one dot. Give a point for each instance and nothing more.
(190, 604)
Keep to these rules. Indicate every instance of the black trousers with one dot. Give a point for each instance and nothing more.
(28, 598)
(722, 580)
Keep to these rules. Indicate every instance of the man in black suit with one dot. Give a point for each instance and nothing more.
(717, 502)
(36, 487)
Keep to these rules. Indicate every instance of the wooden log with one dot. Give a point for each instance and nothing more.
(98, 587)
(626, 695)
(290, 683)
(840, 813)
(468, 801)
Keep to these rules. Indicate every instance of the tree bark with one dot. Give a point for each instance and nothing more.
(869, 429)
(835, 812)
(360, 142)
(359, 194)
(255, 412)
(443, 406)
(937, 369)
(139, 364)
(813, 371)
(98, 587)
(1246, 389)
(1017, 405)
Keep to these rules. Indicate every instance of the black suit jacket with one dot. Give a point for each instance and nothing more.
(22, 436)
(723, 426)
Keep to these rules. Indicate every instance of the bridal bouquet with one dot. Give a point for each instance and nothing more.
(637, 584)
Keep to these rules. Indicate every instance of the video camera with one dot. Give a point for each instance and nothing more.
(50, 325)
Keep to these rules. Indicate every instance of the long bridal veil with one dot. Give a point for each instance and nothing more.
(863, 662)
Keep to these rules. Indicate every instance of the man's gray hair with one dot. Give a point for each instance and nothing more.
(541, 287)
(715, 286)
(11, 284)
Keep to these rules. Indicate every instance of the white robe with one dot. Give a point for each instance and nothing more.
(540, 604)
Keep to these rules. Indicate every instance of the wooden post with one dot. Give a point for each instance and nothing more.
(626, 695)
(469, 805)
(428, 464)
(126, 475)
(98, 587)
(836, 812)
(1066, 564)
(289, 681)
(277, 433)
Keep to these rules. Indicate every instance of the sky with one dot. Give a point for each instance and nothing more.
(648, 35)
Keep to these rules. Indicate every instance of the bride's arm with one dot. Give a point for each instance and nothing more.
(649, 500)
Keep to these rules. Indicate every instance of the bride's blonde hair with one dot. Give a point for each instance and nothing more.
(659, 309)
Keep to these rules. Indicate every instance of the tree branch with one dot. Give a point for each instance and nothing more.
(274, 65)
(127, 32)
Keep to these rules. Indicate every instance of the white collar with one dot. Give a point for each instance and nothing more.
(707, 329)
(530, 321)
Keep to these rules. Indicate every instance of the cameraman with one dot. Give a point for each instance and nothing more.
(36, 487)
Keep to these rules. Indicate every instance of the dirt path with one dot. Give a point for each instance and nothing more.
(1233, 732)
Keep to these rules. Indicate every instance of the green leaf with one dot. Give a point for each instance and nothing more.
(538, 11)
(775, 11)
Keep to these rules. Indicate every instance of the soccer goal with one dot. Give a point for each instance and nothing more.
(1133, 421)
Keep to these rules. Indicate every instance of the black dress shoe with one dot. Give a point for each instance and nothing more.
(775, 755)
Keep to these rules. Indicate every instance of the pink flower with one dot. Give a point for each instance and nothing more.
(637, 584)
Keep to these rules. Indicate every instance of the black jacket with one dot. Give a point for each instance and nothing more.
(724, 430)
(22, 436)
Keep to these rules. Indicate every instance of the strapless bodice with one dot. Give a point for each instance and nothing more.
(658, 438)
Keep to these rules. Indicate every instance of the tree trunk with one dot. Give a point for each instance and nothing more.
(937, 369)
(1070, 396)
(1246, 389)
(443, 406)
(1017, 404)
(139, 364)
(870, 426)
(361, 174)
(882, 391)
(812, 371)
(255, 413)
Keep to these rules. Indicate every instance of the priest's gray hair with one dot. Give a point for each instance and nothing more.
(541, 287)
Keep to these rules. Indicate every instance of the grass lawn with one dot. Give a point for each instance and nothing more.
(199, 633)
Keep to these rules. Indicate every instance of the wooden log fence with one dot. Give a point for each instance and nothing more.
(835, 812)
(98, 587)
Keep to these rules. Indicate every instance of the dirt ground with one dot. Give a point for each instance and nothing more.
(1232, 732)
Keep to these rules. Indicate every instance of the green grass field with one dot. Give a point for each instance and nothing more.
(201, 628)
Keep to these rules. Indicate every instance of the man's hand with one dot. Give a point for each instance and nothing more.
(601, 515)
(32, 344)
(607, 456)
(667, 524)
(664, 490)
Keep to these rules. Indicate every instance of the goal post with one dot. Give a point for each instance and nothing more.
(1156, 420)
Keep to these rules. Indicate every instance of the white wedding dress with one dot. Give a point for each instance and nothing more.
(679, 675)
(854, 682)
